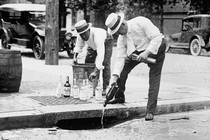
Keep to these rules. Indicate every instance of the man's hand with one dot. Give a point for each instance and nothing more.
(142, 56)
(114, 80)
(94, 74)
(75, 58)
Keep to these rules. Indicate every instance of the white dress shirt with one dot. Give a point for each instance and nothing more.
(95, 41)
(142, 35)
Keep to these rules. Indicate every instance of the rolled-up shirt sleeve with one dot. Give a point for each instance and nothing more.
(121, 54)
(155, 44)
(99, 41)
(79, 44)
(154, 35)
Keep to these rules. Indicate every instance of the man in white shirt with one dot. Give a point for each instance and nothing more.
(139, 39)
(100, 45)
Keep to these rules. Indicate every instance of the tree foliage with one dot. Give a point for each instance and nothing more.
(146, 7)
(202, 6)
(136, 7)
(105, 5)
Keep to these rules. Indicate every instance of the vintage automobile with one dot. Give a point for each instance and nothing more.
(194, 35)
(24, 25)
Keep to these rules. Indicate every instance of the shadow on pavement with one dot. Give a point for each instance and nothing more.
(31, 55)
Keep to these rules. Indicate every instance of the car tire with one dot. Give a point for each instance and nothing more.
(4, 42)
(38, 47)
(195, 47)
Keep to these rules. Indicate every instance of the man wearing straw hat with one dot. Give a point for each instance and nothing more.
(138, 40)
(99, 51)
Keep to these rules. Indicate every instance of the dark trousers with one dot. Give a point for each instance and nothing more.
(154, 76)
(91, 57)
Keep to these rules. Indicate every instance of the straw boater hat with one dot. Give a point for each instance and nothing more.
(82, 26)
(113, 22)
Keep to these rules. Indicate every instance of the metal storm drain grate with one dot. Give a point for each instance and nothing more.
(53, 100)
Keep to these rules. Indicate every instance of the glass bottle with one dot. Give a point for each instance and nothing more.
(98, 91)
(88, 87)
(83, 90)
(67, 88)
(75, 89)
(59, 88)
(94, 84)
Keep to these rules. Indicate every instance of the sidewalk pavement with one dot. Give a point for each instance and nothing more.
(35, 105)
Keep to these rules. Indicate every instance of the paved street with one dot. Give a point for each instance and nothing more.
(44, 108)
(179, 67)
(184, 87)
(194, 125)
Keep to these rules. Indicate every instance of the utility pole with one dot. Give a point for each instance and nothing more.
(52, 32)
(161, 17)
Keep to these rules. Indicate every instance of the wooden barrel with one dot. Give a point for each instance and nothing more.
(10, 70)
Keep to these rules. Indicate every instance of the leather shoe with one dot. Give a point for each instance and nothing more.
(116, 100)
(149, 117)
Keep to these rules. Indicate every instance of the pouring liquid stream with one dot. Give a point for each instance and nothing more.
(102, 118)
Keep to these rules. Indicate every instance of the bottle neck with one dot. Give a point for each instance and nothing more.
(67, 79)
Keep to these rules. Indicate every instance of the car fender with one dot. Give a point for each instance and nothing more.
(40, 32)
(33, 35)
(7, 32)
(200, 39)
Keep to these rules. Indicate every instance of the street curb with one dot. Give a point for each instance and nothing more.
(46, 117)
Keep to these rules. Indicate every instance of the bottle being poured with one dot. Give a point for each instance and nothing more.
(110, 94)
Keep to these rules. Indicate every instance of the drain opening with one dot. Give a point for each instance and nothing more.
(88, 123)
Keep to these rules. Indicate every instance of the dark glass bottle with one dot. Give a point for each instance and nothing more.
(110, 95)
(67, 88)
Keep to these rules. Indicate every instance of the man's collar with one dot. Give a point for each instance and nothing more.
(129, 28)
(90, 33)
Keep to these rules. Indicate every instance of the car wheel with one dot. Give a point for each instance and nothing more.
(4, 42)
(38, 47)
(195, 47)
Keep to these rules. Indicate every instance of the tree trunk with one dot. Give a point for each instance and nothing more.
(52, 32)
(161, 17)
